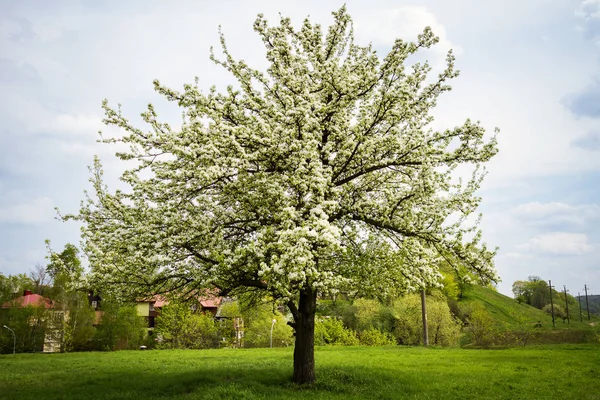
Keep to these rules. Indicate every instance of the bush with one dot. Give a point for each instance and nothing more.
(29, 324)
(340, 309)
(258, 321)
(120, 328)
(374, 337)
(331, 331)
(559, 311)
(179, 328)
(450, 288)
(481, 326)
(371, 314)
(443, 328)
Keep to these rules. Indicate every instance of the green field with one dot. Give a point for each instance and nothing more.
(538, 372)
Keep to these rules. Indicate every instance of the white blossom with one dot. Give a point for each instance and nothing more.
(319, 173)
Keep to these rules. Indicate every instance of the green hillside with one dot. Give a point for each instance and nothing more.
(510, 313)
(505, 310)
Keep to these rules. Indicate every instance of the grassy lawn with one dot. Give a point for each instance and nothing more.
(544, 372)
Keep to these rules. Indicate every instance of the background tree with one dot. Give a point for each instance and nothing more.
(65, 268)
(443, 328)
(78, 323)
(120, 328)
(41, 279)
(331, 331)
(70, 298)
(14, 285)
(534, 291)
(257, 327)
(178, 327)
(28, 323)
(322, 174)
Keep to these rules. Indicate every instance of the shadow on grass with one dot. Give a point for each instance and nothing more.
(211, 383)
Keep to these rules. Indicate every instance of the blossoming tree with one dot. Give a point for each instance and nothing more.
(320, 175)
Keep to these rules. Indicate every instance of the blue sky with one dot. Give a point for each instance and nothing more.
(530, 68)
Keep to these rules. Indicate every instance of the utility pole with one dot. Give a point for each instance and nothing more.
(579, 301)
(567, 304)
(587, 305)
(551, 303)
(424, 316)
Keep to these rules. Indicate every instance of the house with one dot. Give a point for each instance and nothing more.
(208, 303)
(150, 307)
(53, 333)
(94, 302)
(29, 299)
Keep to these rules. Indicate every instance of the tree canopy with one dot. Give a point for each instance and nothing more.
(320, 174)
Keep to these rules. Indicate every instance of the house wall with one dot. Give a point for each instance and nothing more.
(143, 309)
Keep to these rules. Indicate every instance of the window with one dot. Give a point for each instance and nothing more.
(152, 307)
(94, 304)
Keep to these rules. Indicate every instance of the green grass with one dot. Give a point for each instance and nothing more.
(509, 312)
(504, 309)
(545, 372)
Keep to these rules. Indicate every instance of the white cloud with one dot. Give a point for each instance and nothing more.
(75, 124)
(509, 79)
(557, 213)
(382, 27)
(589, 9)
(589, 14)
(558, 243)
(37, 211)
(518, 256)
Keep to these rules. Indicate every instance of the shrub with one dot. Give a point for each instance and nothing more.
(371, 314)
(120, 328)
(331, 331)
(450, 288)
(178, 327)
(341, 309)
(559, 311)
(481, 326)
(443, 328)
(374, 337)
(258, 321)
(29, 324)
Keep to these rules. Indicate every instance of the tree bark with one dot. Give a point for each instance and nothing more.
(304, 349)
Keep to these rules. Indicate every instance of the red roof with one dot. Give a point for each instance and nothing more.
(208, 299)
(157, 299)
(213, 302)
(160, 301)
(29, 300)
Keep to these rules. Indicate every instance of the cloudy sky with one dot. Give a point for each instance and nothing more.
(531, 68)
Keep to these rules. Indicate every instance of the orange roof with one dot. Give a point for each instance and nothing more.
(29, 300)
(160, 301)
(212, 302)
(207, 299)
(157, 299)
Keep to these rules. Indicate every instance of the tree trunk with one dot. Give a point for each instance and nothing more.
(304, 349)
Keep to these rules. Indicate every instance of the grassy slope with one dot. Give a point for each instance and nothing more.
(559, 372)
(504, 309)
(510, 316)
